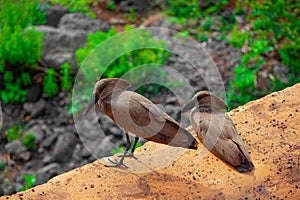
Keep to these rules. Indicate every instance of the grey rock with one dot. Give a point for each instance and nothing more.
(171, 100)
(64, 116)
(78, 21)
(138, 6)
(24, 156)
(47, 172)
(104, 148)
(34, 93)
(7, 187)
(15, 147)
(84, 152)
(71, 128)
(35, 109)
(60, 45)
(59, 129)
(31, 165)
(54, 14)
(172, 110)
(18, 179)
(76, 152)
(1, 118)
(281, 72)
(49, 140)
(47, 159)
(41, 150)
(18, 186)
(64, 147)
(116, 131)
(3, 164)
(38, 133)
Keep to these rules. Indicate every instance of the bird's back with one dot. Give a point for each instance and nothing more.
(219, 135)
(141, 117)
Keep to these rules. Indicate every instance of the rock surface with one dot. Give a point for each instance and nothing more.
(270, 128)
(61, 43)
(54, 13)
(138, 6)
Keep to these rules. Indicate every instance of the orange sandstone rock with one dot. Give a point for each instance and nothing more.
(270, 128)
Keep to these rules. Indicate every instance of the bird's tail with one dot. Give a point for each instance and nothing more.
(184, 138)
(245, 166)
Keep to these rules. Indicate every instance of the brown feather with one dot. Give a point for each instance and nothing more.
(139, 115)
(217, 131)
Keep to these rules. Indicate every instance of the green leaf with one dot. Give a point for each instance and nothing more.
(50, 85)
(25, 77)
(8, 77)
(30, 181)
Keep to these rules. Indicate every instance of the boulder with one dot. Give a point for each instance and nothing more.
(35, 109)
(269, 128)
(60, 44)
(78, 21)
(64, 147)
(138, 6)
(54, 14)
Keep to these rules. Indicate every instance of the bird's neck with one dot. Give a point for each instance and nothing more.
(106, 101)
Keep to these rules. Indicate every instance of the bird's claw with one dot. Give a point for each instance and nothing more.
(115, 163)
(128, 154)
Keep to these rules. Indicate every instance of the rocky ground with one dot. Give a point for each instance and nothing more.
(59, 147)
(270, 129)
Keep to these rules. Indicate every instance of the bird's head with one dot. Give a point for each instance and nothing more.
(104, 88)
(205, 100)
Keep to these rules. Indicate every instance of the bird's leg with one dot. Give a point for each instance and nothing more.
(136, 139)
(120, 162)
(130, 154)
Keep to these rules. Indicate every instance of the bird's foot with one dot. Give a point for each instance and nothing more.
(115, 163)
(128, 154)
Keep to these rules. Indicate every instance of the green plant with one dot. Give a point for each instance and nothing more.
(123, 63)
(268, 27)
(111, 5)
(30, 181)
(289, 54)
(196, 13)
(20, 46)
(238, 38)
(131, 16)
(18, 43)
(50, 84)
(13, 91)
(121, 149)
(76, 5)
(76, 105)
(3, 165)
(14, 133)
(183, 12)
(28, 140)
(66, 76)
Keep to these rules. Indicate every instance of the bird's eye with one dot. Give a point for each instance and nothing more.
(101, 88)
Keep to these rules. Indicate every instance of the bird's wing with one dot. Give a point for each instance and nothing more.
(235, 137)
(165, 129)
(217, 135)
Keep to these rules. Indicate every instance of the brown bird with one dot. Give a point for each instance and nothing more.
(216, 130)
(138, 115)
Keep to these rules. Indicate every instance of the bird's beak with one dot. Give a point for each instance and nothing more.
(188, 106)
(92, 103)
